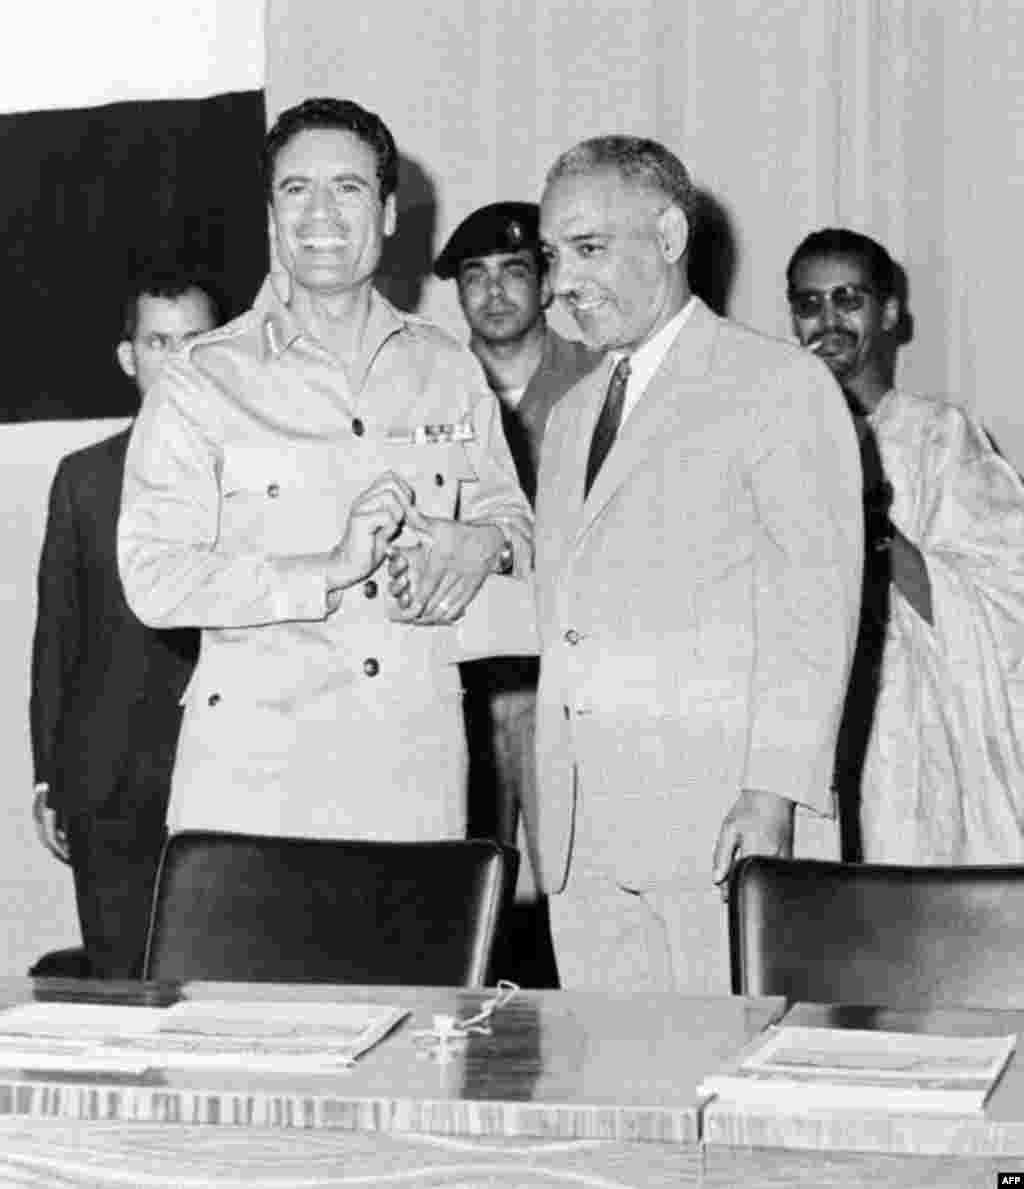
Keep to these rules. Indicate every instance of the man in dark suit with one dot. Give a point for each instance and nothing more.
(105, 688)
(495, 260)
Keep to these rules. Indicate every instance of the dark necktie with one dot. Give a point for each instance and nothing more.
(608, 422)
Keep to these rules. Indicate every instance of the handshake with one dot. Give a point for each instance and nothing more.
(434, 580)
(435, 566)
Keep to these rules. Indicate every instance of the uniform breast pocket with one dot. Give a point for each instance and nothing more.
(278, 500)
(437, 473)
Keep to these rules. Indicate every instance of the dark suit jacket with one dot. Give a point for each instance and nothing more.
(105, 688)
(104, 709)
(105, 694)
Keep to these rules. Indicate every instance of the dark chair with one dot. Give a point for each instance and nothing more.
(878, 935)
(70, 963)
(249, 908)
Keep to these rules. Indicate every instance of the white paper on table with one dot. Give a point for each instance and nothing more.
(79, 1020)
(813, 1068)
(74, 1036)
(213, 1034)
(270, 1036)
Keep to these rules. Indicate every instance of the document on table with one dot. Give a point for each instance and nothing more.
(810, 1068)
(265, 1037)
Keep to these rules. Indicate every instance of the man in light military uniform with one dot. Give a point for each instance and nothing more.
(271, 472)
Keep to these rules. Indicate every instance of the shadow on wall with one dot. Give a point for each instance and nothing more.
(712, 261)
(408, 257)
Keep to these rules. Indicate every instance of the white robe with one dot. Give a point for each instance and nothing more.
(944, 773)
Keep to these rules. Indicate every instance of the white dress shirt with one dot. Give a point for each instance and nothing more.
(646, 360)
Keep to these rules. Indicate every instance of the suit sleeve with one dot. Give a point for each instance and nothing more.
(806, 486)
(57, 640)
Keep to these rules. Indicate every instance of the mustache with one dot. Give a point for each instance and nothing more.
(820, 341)
(578, 292)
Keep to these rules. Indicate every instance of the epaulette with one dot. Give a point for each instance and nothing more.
(237, 328)
(431, 330)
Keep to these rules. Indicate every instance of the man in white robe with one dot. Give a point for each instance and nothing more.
(943, 772)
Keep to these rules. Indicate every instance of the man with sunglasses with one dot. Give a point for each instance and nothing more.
(940, 762)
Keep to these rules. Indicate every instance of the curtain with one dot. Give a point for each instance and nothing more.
(901, 118)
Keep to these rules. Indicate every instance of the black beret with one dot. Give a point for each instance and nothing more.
(500, 227)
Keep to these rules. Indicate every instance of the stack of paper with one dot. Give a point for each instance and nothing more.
(826, 1068)
(210, 1034)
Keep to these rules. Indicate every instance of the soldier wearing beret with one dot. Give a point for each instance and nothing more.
(495, 260)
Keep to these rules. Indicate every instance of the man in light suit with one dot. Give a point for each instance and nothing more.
(698, 575)
(105, 688)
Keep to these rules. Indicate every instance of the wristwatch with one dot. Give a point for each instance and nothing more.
(506, 561)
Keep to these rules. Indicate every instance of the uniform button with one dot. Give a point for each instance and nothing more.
(358, 428)
(565, 711)
(439, 479)
(273, 490)
(371, 666)
(370, 588)
(572, 636)
(213, 699)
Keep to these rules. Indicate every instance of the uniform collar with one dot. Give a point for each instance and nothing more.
(280, 329)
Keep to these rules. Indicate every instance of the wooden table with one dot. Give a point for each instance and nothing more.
(580, 1089)
(777, 1149)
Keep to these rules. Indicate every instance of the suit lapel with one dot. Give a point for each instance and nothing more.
(583, 430)
(560, 493)
(681, 378)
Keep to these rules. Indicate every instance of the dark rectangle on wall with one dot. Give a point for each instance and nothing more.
(90, 197)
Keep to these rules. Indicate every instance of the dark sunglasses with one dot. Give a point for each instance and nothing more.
(845, 299)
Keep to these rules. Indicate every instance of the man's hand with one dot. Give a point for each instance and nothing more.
(760, 823)
(374, 520)
(434, 581)
(50, 827)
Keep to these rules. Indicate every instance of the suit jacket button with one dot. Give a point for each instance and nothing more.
(273, 490)
(358, 428)
(370, 588)
(371, 666)
(213, 699)
(439, 479)
(572, 636)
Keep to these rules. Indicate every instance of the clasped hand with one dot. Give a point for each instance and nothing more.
(434, 580)
(375, 519)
